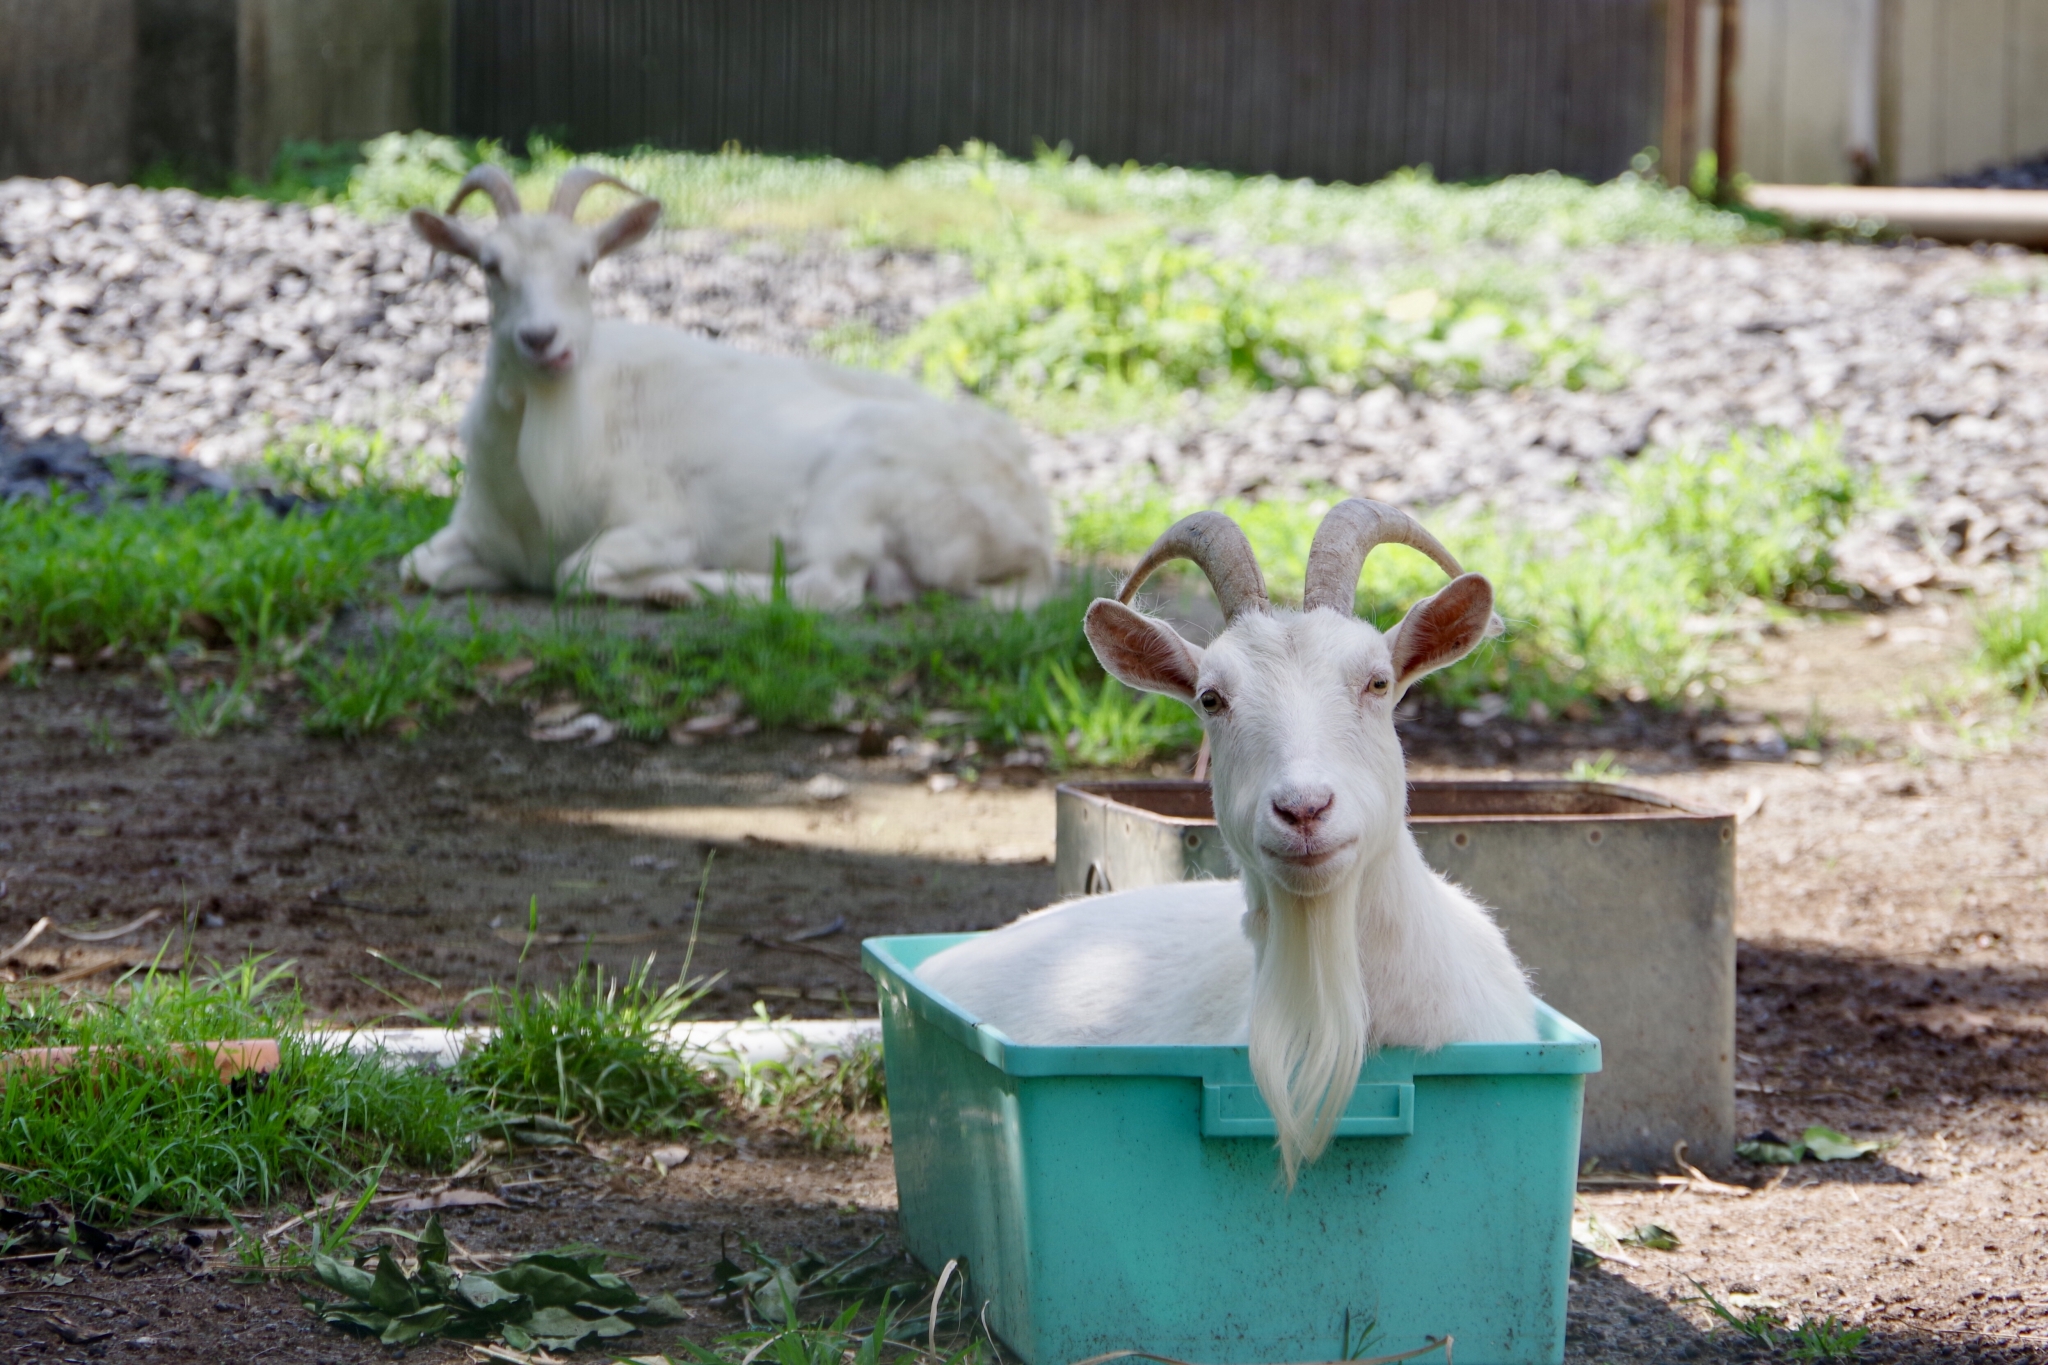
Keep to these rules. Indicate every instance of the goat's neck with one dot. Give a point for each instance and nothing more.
(1391, 893)
(524, 438)
(491, 427)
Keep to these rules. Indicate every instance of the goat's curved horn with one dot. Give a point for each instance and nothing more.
(1215, 544)
(1348, 534)
(576, 182)
(493, 181)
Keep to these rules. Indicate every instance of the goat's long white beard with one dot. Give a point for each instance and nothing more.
(1309, 1019)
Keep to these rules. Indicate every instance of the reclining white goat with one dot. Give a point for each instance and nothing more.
(1339, 939)
(641, 462)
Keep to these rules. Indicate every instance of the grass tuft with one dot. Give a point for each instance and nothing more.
(819, 1099)
(2013, 637)
(1754, 517)
(139, 1128)
(592, 1052)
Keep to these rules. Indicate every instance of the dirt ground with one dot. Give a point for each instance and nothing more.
(1893, 960)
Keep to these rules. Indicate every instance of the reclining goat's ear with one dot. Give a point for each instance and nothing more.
(1142, 652)
(628, 226)
(444, 234)
(1443, 628)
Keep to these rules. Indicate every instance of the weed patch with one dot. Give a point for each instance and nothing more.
(146, 576)
(818, 1100)
(1754, 517)
(945, 199)
(140, 1126)
(552, 1301)
(591, 1052)
(1134, 320)
(2013, 637)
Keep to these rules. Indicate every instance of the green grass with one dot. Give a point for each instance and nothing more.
(592, 1052)
(1754, 517)
(818, 1100)
(1689, 532)
(951, 198)
(1119, 326)
(146, 576)
(2013, 636)
(140, 1129)
(1014, 675)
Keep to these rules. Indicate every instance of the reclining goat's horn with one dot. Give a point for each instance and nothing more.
(493, 181)
(1215, 544)
(1348, 534)
(576, 182)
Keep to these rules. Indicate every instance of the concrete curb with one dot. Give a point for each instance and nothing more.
(1962, 216)
(730, 1045)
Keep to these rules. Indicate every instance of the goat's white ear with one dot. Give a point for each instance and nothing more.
(1138, 650)
(1443, 628)
(443, 234)
(628, 226)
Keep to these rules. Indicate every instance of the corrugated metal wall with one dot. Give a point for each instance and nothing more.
(1336, 89)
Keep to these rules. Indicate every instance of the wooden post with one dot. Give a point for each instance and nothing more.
(67, 77)
(1681, 140)
(1727, 117)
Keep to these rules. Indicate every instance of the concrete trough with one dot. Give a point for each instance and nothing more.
(1621, 903)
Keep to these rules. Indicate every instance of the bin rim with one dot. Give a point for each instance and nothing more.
(1564, 1048)
(1652, 806)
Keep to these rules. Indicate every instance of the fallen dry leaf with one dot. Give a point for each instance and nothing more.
(449, 1199)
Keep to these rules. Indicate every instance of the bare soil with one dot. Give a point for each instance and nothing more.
(1893, 965)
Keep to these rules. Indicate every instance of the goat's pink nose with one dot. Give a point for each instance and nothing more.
(1301, 810)
(536, 339)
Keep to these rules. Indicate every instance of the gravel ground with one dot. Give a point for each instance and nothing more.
(187, 325)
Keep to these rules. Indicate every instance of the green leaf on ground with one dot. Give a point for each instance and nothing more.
(1651, 1237)
(1818, 1142)
(1768, 1149)
(1825, 1144)
(557, 1300)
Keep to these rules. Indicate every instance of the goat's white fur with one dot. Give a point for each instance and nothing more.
(640, 462)
(1337, 941)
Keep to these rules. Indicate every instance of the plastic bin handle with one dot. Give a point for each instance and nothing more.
(1377, 1109)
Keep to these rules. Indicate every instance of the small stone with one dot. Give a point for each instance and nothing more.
(589, 727)
(826, 787)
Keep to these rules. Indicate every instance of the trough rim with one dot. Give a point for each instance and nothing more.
(1667, 808)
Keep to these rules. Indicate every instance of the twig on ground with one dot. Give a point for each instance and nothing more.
(108, 935)
(35, 931)
(1700, 1181)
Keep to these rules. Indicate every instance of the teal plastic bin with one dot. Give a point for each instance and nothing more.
(1112, 1198)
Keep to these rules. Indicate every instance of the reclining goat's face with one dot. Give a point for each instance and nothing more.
(1299, 711)
(537, 269)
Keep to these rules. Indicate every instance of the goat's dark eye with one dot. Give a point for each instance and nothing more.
(583, 267)
(1378, 686)
(1211, 700)
(490, 268)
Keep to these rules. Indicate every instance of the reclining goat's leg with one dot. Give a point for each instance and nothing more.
(640, 564)
(446, 563)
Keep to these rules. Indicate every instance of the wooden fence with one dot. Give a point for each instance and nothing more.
(1335, 89)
